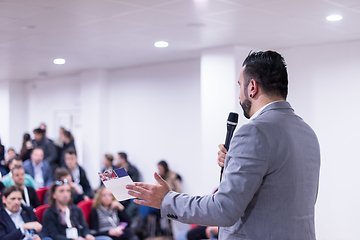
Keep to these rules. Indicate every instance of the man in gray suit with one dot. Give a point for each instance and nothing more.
(39, 169)
(271, 171)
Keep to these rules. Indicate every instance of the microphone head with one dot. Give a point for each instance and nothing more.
(233, 118)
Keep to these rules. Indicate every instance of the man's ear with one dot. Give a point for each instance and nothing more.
(253, 88)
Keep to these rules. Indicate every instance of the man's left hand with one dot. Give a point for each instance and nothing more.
(150, 195)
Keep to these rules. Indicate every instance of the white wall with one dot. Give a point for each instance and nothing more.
(324, 85)
(154, 115)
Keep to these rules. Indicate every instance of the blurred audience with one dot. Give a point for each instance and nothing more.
(68, 142)
(26, 147)
(203, 232)
(172, 178)
(59, 142)
(50, 151)
(38, 169)
(108, 164)
(2, 151)
(78, 173)
(30, 197)
(64, 220)
(7, 179)
(121, 161)
(17, 221)
(108, 217)
(9, 155)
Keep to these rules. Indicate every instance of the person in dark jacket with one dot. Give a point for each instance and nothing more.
(123, 162)
(64, 220)
(78, 173)
(50, 151)
(18, 221)
(68, 142)
(30, 198)
(108, 218)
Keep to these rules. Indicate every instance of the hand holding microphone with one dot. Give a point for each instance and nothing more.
(231, 125)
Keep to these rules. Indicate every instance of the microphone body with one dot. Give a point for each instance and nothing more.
(231, 125)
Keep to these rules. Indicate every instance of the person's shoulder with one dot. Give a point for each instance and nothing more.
(27, 163)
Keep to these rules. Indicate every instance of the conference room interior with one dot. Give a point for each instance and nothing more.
(118, 92)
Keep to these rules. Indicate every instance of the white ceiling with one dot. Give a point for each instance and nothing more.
(121, 33)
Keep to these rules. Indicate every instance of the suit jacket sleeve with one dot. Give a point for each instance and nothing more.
(34, 200)
(84, 182)
(245, 166)
(47, 174)
(8, 230)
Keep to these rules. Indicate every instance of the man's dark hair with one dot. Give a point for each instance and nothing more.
(61, 172)
(71, 151)
(268, 69)
(8, 190)
(109, 157)
(39, 131)
(123, 156)
(16, 158)
(16, 167)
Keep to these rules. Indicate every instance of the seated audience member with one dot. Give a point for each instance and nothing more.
(172, 178)
(5, 164)
(108, 218)
(26, 147)
(38, 169)
(108, 164)
(202, 232)
(50, 151)
(2, 151)
(68, 142)
(64, 220)
(78, 173)
(122, 162)
(16, 221)
(7, 179)
(30, 197)
(77, 193)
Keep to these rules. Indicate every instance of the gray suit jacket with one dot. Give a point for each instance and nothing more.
(46, 169)
(270, 182)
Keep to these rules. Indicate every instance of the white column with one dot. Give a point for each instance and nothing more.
(220, 70)
(94, 117)
(5, 114)
(13, 108)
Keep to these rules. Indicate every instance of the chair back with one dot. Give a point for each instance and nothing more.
(41, 193)
(39, 211)
(85, 206)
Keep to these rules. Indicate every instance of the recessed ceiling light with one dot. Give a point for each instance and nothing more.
(161, 44)
(333, 18)
(59, 61)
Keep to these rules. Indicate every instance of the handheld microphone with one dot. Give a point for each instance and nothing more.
(231, 125)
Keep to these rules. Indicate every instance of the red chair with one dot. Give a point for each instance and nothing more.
(85, 206)
(39, 211)
(41, 193)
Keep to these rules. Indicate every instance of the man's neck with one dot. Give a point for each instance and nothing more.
(21, 186)
(12, 211)
(36, 164)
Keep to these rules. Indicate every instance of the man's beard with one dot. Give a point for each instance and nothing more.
(246, 105)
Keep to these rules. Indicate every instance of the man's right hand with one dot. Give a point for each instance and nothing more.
(32, 225)
(221, 155)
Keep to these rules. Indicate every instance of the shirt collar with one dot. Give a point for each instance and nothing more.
(34, 165)
(13, 214)
(260, 110)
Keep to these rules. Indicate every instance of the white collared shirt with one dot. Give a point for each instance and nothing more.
(38, 174)
(76, 177)
(17, 219)
(259, 111)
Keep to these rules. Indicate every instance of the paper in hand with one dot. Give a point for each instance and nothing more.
(116, 181)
